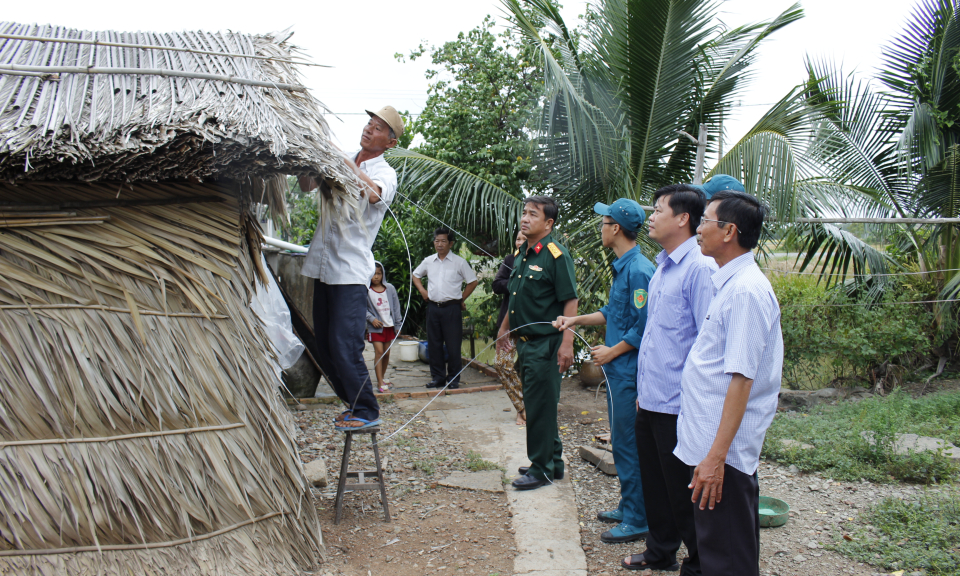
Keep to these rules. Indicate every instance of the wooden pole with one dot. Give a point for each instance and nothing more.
(15, 68)
(701, 151)
(152, 47)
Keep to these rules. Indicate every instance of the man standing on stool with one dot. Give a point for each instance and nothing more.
(730, 384)
(341, 260)
(542, 287)
(446, 272)
(625, 317)
(680, 293)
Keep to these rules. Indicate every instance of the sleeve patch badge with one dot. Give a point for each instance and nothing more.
(639, 297)
(554, 250)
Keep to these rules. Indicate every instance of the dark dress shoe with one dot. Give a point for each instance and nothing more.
(528, 482)
(453, 387)
(434, 385)
(524, 469)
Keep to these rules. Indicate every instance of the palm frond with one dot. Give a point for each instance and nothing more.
(469, 201)
(836, 251)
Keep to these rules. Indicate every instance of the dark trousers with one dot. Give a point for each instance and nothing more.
(339, 321)
(444, 326)
(729, 535)
(665, 492)
(538, 370)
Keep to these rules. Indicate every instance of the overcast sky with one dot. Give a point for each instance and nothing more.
(360, 40)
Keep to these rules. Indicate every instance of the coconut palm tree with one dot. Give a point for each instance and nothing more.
(617, 91)
(895, 151)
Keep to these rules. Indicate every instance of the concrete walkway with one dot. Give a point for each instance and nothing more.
(545, 523)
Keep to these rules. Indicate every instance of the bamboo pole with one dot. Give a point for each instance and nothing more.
(156, 434)
(112, 309)
(144, 546)
(878, 220)
(14, 68)
(85, 205)
(153, 47)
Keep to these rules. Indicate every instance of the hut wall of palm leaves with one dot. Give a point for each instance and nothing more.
(141, 430)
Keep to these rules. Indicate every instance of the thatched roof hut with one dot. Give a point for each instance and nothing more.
(140, 426)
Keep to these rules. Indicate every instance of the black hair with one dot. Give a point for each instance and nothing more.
(684, 199)
(545, 203)
(743, 210)
(444, 230)
(630, 235)
(377, 265)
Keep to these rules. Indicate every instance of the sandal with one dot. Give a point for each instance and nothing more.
(383, 389)
(343, 416)
(667, 565)
(365, 424)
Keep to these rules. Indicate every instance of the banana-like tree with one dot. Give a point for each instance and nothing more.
(617, 92)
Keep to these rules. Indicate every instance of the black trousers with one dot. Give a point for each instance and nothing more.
(729, 535)
(339, 321)
(444, 326)
(665, 494)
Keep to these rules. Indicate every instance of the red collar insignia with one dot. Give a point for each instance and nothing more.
(538, 248)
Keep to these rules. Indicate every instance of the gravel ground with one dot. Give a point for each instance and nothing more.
(435, 530)
(822, 510)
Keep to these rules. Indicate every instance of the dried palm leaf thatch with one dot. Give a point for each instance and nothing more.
(133, 127)
(141, 430)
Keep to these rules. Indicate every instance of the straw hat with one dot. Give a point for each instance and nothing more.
(390, 115)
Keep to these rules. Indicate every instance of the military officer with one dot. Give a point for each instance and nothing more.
(542, 287)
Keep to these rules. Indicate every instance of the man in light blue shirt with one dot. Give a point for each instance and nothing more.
(729, 389)
(680, 293)
(625, 317)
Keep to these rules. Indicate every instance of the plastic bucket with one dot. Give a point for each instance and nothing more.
(408, 351)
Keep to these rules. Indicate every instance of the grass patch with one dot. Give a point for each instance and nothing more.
(910, 535)
(476, 463)
(429, 465)
(841, 451)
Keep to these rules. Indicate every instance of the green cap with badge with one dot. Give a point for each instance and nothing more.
(625, 212)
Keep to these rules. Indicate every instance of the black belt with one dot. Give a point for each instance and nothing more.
(442, 304)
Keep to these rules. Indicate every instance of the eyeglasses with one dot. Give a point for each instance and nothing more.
(602, 224)
(719, 222)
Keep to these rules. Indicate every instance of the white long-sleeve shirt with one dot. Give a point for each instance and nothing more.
(340, 252)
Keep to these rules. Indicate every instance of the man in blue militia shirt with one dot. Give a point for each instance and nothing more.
(730, 384)
(680, 292)
(625, 317)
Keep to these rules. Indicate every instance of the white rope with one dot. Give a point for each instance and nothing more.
(859, 275)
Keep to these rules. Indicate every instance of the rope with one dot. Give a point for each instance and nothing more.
(860, 275)
(867, 304)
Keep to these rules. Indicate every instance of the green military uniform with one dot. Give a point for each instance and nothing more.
(541, 282)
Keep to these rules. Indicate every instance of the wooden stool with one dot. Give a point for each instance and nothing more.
(361, 475)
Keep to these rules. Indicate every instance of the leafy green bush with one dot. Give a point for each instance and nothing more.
(829, 337)
(856, 440)
(909, 535)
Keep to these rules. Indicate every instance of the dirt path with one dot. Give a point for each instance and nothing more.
(821, 510)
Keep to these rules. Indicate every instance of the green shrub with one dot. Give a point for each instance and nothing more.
(830, 338)
(909, 535)
(841, 437)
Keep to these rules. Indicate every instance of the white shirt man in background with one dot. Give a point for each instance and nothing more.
(446, 273)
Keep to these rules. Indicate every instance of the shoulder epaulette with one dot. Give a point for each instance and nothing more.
(555, 250)
(516, 252)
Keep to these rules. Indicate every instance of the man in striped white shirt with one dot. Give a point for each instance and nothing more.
(680, 293)
(729, 389)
